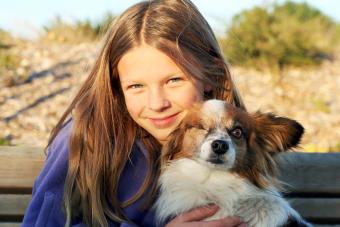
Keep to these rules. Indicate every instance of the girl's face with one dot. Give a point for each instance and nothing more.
(157, 93)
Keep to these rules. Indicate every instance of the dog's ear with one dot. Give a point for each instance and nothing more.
(173, 147)
(276, 134)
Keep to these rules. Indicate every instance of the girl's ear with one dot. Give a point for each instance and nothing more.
(207, 88)
(207, 91)
(276, 134)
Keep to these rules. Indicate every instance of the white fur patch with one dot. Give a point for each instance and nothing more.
(187, 184)
(214, 109)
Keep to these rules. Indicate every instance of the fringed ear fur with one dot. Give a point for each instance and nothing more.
(173, 147)
(276, 134)
(173, 144)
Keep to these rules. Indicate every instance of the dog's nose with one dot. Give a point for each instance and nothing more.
(219, 146)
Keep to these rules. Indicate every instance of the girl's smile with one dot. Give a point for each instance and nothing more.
(163, 122)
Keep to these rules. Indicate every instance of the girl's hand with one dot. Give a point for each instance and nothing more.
(195, 217)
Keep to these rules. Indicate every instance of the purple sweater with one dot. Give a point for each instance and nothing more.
(45, 208)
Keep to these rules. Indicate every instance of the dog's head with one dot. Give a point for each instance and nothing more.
(224, 137)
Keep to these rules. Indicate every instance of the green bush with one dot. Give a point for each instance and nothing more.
(80, 31)
(335, 148)
(4, 142)
(8, 61)
(278, 36)
(5, 39)
(102, 26)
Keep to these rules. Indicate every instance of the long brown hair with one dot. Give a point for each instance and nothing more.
(103, 133)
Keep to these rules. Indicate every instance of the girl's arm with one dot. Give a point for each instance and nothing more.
(45, 208)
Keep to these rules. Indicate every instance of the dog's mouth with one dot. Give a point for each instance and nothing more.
(216, 160)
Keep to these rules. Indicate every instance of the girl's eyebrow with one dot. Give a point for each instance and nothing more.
(176, 74)
(128, 81)
(133, 80)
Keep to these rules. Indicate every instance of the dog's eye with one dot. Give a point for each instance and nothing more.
(196, 126)
(237, 132)
(200, 126)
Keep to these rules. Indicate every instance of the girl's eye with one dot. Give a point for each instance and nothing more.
(175, 79)
(237, 132)
(135, 86)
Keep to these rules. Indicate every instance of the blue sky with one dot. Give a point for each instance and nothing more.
(26, 17)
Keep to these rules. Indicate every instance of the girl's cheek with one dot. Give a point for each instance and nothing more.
(188, 97)
(133, 103)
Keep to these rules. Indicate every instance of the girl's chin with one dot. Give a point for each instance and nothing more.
(162, 136)
(162, 139)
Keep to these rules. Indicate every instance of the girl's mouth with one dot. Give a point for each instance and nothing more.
(164, 121)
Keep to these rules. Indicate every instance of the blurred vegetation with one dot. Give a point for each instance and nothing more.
(4, 142)
(290, 34)
(80, 31)
(335, 148)
(8, 60)
(5, 38)
(310, 148)
(321, 105)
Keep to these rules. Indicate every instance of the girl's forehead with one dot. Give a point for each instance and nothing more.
(146, 61)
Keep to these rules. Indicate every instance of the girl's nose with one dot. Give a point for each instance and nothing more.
(158, 100)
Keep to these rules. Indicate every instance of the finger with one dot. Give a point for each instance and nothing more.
(242, 225)
(198, 213)
(229, 221)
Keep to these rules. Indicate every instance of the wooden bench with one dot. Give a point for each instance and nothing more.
(314, 180)
(19, 167)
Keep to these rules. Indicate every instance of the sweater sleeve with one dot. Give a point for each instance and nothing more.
(45, 208)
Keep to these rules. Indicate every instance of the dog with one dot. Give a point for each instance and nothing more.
(223, 155)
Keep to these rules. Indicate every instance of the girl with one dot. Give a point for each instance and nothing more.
(158, 58)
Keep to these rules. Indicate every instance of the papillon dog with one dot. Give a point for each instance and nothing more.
(223, 155)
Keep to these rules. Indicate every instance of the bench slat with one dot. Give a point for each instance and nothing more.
(317, 208)
(13, 205)
(312, 173)
(9, 224)
(317, 225)
(19, 166)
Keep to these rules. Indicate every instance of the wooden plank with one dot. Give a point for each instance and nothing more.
(19, 166)
(320, 225)
(311, 172)
(13, 205)
(317, 208)
(8, 224)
